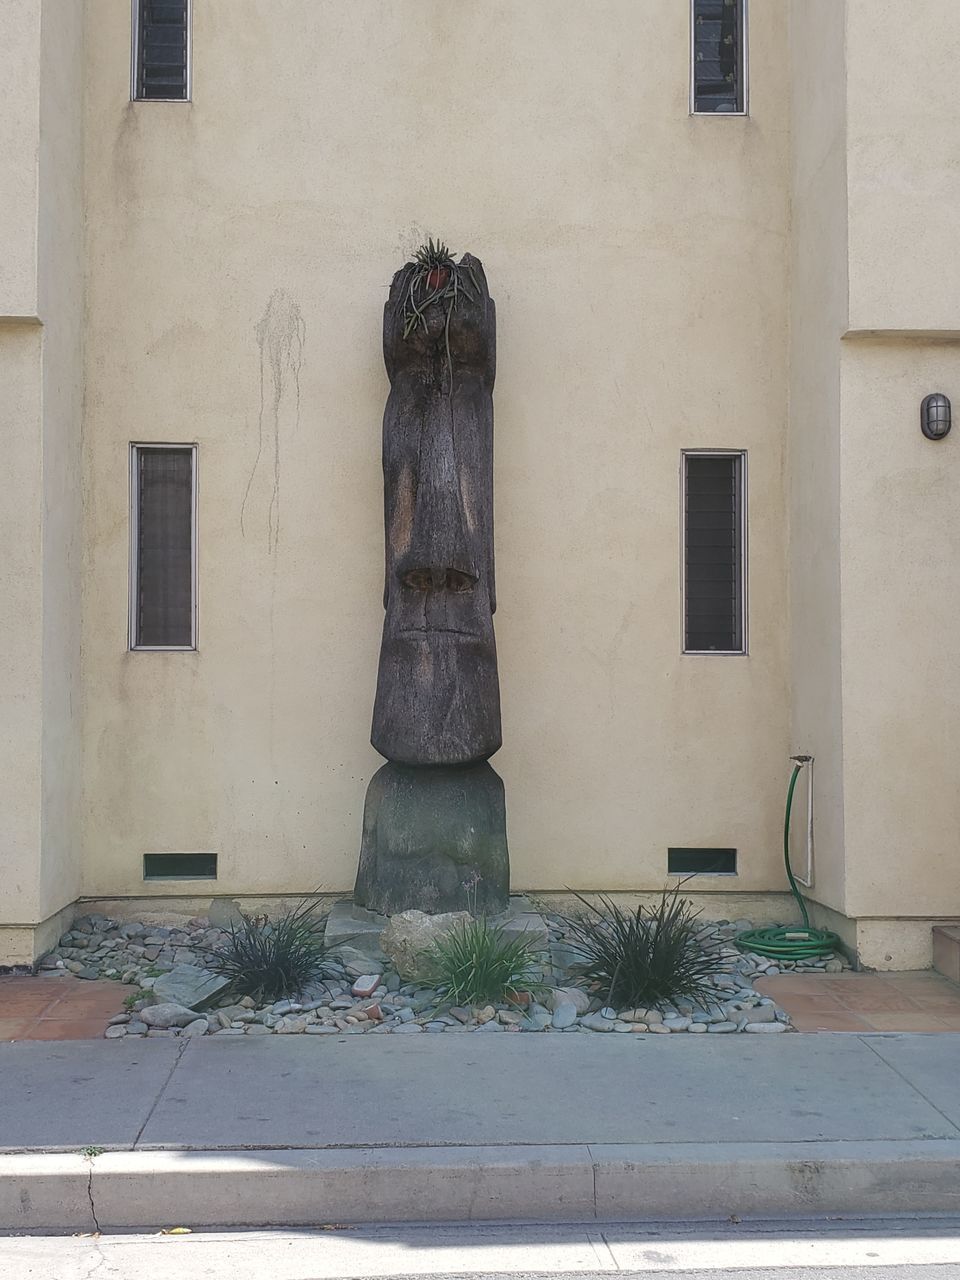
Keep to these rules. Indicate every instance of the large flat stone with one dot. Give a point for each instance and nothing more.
(189, 985)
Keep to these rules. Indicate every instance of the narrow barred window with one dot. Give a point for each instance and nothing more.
(161, 68)
(718, 46)
(163, 546)
(714, 538)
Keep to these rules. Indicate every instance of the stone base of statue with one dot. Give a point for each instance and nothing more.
(434, 839)
(354, 933)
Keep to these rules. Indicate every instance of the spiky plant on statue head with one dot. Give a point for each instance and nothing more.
(434, 278)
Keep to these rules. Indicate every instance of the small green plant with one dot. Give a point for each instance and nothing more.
(434, 278)
(272, 959)
(130, 1000)
(641, 958)
(91, 1152)
(476, 963)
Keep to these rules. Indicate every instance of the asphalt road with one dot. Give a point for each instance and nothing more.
(901, 1249)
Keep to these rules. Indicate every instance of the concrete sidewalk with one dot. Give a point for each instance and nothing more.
(288, 1131)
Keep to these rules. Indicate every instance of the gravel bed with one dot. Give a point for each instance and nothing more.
(360, 995)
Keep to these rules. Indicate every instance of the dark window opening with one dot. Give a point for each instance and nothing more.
(718, 57)
(179, 866)
(162, 49)
(163, 587)
(713, 541)
(702, 862)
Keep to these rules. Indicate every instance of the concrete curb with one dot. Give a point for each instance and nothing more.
(148, 1189)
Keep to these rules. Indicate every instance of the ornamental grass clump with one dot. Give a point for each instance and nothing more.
(271, 959)
(642, 958)
(476, 963)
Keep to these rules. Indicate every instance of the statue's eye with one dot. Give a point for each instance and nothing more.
(418, 580)
(459, 581)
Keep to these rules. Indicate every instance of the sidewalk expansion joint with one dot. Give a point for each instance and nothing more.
(182, 1047)
(909, 1083)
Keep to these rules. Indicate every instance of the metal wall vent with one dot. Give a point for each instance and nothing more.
(702, 862)
(179, 866)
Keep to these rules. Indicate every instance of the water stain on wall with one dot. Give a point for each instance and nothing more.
(281, 334)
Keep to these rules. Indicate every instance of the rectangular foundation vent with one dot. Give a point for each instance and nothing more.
(179, 866)
(702, 862)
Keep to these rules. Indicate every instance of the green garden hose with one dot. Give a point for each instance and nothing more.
(790, 942)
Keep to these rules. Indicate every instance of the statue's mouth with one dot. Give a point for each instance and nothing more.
(417, 633)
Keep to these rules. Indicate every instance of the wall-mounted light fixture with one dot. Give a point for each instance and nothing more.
(935, 416)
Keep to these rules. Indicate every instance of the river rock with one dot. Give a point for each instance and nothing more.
(537, 1020)
(162, 1017)
(365, 985)
(569, 995)
(761, 1013)
(594, 1022)
(290, 1026)
(564, 1014)
(638, 1015)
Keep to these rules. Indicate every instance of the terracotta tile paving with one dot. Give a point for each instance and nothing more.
(862, 1002)
(59, 1007)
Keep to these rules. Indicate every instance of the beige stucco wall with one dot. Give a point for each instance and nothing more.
(875, 534)
(21, 622)
(40, 421)
(239, 250)
(903, 164)
(60, 291)
(19, 156)
(818, 298)
(901, 557)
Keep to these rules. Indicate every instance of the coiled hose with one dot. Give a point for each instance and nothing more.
(790, 942)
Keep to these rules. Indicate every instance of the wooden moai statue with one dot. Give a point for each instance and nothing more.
(434, 818)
